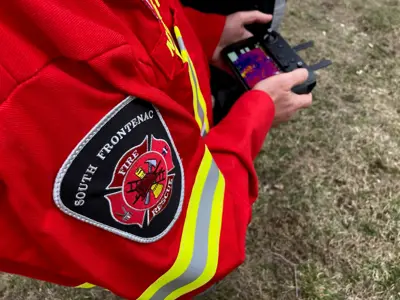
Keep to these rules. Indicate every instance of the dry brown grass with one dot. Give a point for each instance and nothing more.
(329, 206)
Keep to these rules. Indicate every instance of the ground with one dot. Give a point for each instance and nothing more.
(327, 222)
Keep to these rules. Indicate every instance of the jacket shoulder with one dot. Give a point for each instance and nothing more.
(34, 33)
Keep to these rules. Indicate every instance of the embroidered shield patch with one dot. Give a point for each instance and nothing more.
(125, 176)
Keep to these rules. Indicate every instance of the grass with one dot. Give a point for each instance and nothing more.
(328, 214)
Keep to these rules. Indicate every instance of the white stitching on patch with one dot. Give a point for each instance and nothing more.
(76, 151)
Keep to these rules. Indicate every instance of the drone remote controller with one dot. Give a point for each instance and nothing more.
(263, 56)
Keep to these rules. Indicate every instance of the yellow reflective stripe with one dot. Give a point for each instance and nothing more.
(85, 285)
(213, 243)
(186, 58)
(201, 97)
(184, 53)
(197, 117)
(198, 98)
(188, 235)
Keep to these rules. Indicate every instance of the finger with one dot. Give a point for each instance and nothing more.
(294, 78)
(254, 16)
(303, 101)
(246, 34)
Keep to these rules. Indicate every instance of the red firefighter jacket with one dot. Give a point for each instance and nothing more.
(111, 170)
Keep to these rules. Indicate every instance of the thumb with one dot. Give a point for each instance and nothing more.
(254, 16)
(294, 78)
(246, 34)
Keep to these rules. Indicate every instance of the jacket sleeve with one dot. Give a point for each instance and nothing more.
(237, 139)
(232, 146)
(208, 28)
(46, 118)
(44, 243)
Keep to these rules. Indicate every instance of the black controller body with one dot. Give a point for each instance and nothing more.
(288, 60)
(285, 57)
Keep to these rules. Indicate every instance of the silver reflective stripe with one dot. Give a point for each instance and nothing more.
(200, 252)
(192, 72)
(199, 109)
(181, 43)
(279, 12)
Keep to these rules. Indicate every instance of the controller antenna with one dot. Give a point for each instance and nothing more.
(269, 37)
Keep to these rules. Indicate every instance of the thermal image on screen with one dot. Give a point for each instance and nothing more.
(254, 65)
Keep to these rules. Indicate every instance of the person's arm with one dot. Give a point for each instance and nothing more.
(42, 242)
(76, 134)
(67, 131)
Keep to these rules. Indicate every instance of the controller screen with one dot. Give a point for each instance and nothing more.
(253, 64)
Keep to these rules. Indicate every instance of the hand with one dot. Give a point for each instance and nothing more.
(235, 31)
(279, 88)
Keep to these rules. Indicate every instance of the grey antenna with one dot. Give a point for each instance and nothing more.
(279, 12)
